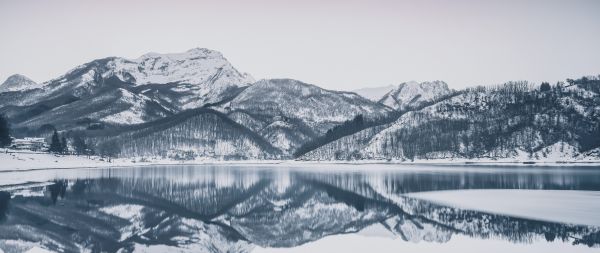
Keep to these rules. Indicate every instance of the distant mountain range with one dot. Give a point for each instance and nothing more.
(196, 103)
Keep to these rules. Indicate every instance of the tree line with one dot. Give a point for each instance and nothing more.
(5, 139)
(69, 143)
(78, 144)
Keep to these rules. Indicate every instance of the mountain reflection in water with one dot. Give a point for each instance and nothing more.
(232, 209)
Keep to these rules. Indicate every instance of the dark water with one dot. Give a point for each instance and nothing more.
(244, 208)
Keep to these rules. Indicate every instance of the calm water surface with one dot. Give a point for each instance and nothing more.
(257, 208)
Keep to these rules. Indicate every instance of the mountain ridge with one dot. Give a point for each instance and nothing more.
(515, 121)
(282, 118)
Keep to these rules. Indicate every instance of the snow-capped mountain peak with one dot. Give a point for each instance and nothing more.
(18, 82)
(189, 54)
(413, 93)
(177, 81)
(195, 66)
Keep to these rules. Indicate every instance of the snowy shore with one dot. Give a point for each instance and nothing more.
(565, 206)
(16, 160)
(459, 243)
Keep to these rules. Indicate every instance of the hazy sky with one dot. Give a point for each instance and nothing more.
(337, 44)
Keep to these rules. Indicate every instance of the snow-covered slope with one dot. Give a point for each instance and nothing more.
(411, 94)
(198, 133)
(198, 75)
(512, 122)
(170, 82)
(195, 66)
(187, 80)
(289, 112)
(112, 107)
(375, 93)
(18, 82)
(296, 99)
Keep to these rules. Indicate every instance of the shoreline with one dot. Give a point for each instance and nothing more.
(18, 161)
(536, 204)
(580, 164)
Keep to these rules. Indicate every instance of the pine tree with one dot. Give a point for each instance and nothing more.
(55, 146)
(5, 139)
(64, 148)
(545, 86)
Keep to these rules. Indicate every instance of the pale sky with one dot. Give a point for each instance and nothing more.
(336, 44)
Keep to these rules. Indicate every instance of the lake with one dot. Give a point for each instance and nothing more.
(302, 208)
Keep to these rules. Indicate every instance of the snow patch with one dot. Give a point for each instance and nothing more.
(546, 205)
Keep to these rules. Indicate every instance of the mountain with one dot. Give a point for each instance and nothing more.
(195, 104)
(412, 94)
(515, 121)
(406, 95)
(375, 93)
(119, 91)
(288, 112)
(18, 82)
(195, 133)
(189, 80)
(116, 99)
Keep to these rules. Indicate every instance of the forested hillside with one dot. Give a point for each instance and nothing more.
(189, 135)
(289, 113)
(510, 120)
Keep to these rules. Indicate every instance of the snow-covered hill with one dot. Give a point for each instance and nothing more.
(115, 107)
(192, 134)
(18, 82)
(514, 122)
(289, 112)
